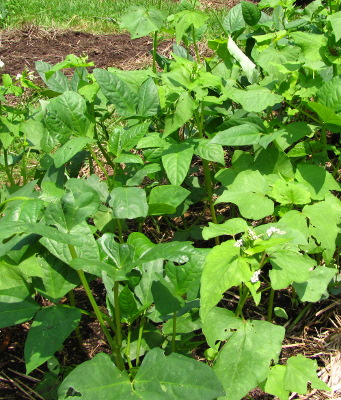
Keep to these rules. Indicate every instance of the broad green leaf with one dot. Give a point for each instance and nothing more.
(288, 267)
(11, 277)
(187, 18)
(79, 202)
(280, 312)
(251, 13)
(69, 149)
(175, 377)
(216, 323)
(248, 67)
(290, 193)
(57, 278)
(147, 170)
(150, 273)
(234, 20)
(50, 327)
(248, 191)
(67, 115)
(16, 306)
(324, 217)
(128, 306)
(210, 151)
(272, 58)
(128, 159)
(141, 21)
(169, 195)
(97, 379)
(335, 20)
(316, 179)
(166, 300)
(329, 93)
(125, 138)
(223, 269)
(291, 133)
(140, 242)
(34, 132)
(183, 112)
(230, 227)
(117, 92)
(148, 101)
(256, 98)
(122, 255)
(183, 276)
(316, 286)
(299, 372)
(244, 362)
(240, 135)
(58, 82)
(176, 160)
(275, 382)
(28, 210)
(326, 114)
(310, 43)
(128, 203)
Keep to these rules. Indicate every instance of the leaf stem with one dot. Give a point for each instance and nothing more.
(174, 332)
(271, 305)
(7, 169)
(127, 351)
(242, 299)
(118, 336)
(154, 51)
(139, 339)
(300, 316)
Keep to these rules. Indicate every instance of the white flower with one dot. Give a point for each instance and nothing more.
(239, 243)
(253, 235)
(1, 64)
(255, 276)
(18, 76)
(273, 230)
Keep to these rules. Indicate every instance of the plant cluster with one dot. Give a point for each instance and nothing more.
(253, 126)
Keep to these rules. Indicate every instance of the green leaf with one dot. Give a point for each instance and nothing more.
(223, 269)
(280, 312)
(16, 306)
(256, 98)
(80, 202)
(326, 114)
(70, 149)
(216, 323)
(57, 278)
(165, 299)
(310, 43)
(58, 82)
(210, 151)
(175, 377)
(187, 18)
(329, 93)
(50, 327)
(96, 379)
(176, 160)
(230, 227)
(245, 359)
(148, 102)
(117, 92)
(248, 191)
(234, 20)
(275, 382)
(27, 210)
(127, 303)
(141, 21)
(128, 202)
(272, 58)
(67, 115)
(335, 20)
(316, 286)
(240, 135)
(299, 372)
(183, 112)
(288, 267)
(290, 193)
(121, 254)
(183, 276)
(168, 195)
(316, 179)
(251, 13)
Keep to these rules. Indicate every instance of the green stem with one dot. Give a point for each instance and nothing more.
(24, 167)
(271, 305)
(139, 339)
(195, 45)
(103, 151)
(323, 135)
(305, 113)
(300, 316)
(154, 51)
(119, 231)
(77, 330)
(116, 353)
(174, 333)
(7, 169)
(127, 351)
(98, 162)
(117, 316)
(242, 299)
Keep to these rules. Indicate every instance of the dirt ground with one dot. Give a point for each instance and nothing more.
(20, 49)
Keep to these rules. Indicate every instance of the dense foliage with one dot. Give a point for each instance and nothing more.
(253, 125)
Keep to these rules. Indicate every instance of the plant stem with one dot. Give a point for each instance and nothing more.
(195, 45)
(93, 155)
(116, 352)
(119, 230)
(127, 351)
(7, 169)
(242, 299)
(174, 333)
(77, 330)
(154, 51)
(139, 339)
(300, 316)
(271, 304)
(118, 336)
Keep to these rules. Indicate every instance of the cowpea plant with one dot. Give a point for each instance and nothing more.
(235, 128)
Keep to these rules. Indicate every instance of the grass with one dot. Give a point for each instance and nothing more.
(100, 16)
